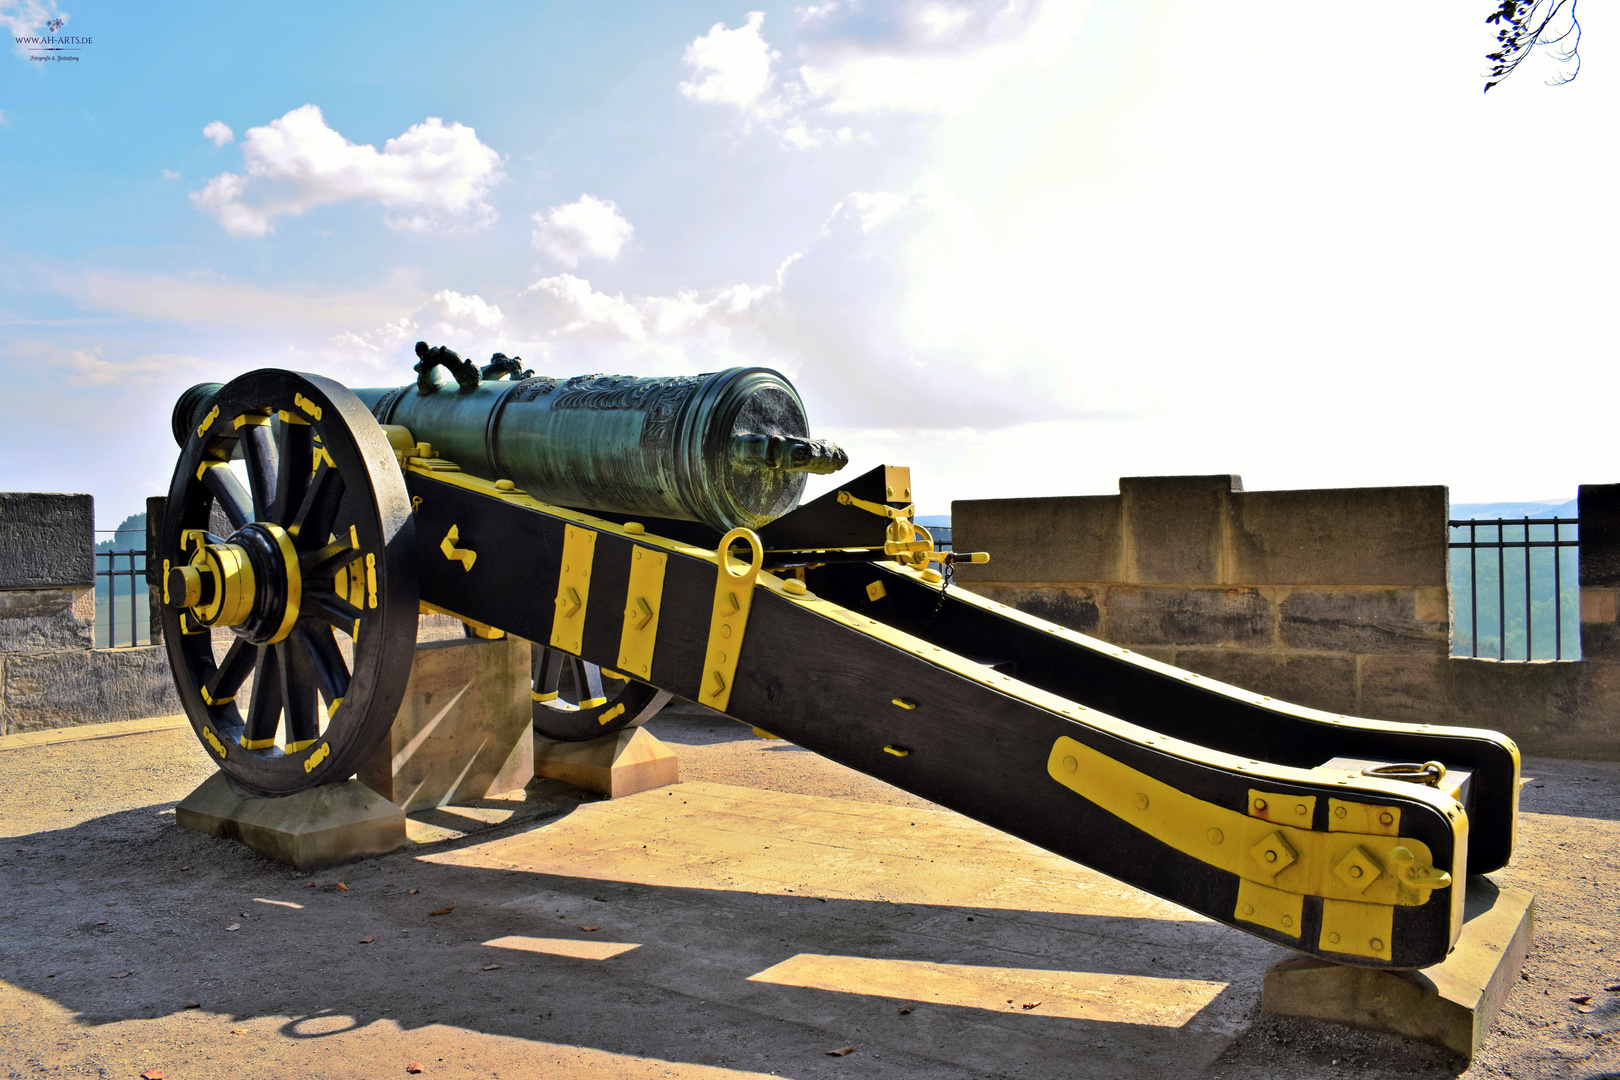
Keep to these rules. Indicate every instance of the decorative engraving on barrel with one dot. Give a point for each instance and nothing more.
(620, 391)
(658, 429)
(529, 389)
(385, 404)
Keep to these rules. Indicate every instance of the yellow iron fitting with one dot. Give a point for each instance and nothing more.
(573, 589)
(643, 600)
(733, 599)
(1278, 858)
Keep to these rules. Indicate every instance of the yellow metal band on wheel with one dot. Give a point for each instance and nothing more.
(295, 581)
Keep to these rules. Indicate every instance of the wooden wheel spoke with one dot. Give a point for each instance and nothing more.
(222, 483)
(259, 453)
(331, 608)
(551, 678)
(293, 465)
(298, 694)
(323, 564)
(590, 686)
(264, 711)
(232, 672)
(326, 660)
(318, 509)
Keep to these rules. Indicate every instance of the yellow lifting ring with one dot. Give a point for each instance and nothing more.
(758, 553)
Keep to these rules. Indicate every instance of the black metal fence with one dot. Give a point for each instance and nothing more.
(123, 613)
(1523, 606)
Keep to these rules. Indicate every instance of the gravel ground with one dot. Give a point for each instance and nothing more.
(96, 882)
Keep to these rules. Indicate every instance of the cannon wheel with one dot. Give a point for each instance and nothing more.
(324, 654)
(575, 700)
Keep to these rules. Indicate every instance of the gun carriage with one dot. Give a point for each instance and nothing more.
(603, 517)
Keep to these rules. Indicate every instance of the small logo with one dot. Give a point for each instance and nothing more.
(54, 25)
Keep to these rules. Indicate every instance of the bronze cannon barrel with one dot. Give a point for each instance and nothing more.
(729, 449)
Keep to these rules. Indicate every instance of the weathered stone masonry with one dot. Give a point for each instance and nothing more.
(1334, 598)
(50, 673)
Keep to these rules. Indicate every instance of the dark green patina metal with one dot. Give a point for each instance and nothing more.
(728, 449)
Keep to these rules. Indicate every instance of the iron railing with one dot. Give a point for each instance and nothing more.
(127, 569)
(1549, 589)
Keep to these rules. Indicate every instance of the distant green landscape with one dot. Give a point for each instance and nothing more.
(1505, 627)
(130, 535)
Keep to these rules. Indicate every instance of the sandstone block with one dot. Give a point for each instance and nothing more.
(1359, 621)
(464, 731)
(1600, 535)
(324, 826)
(1040, 540)
(1313, 680)
(1166, 615)
(615, 765)
(65, 689)
(47, 620)
(1452, 1003)
(1340, 536)
(47, 541)
(1175, 528)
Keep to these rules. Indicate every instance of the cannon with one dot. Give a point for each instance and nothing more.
(646, 533)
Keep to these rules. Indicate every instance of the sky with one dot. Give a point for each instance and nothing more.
(1026, 247)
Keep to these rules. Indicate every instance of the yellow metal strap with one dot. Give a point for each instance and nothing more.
(733, 598)
(845, 498)
(643, 600)
(1361, 876)
(573, 589)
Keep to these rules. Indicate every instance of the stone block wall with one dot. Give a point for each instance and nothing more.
(50, 673)
(1334, 598)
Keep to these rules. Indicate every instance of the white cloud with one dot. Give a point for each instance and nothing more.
(28, 18)
(941, 58)
(731, 67)
(220, 132)
(434, 176)
(926, 57)
(170, 174)
(589, 227)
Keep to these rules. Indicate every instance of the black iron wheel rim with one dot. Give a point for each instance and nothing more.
(321, 469)
(575, 700)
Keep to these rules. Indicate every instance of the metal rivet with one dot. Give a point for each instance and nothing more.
(1070, 765)
(1334, 938)
(1248, 909)
(1338, 811)
(1141, 801)
(1215, 836)
(1355, 871)
(1377, 944)
(1259, 804)
(1386, 818)
(1288, 920)
(1271, 856)
(1299, 808)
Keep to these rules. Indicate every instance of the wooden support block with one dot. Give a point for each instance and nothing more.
(464, 730)
(1451, 1003)
(614, 765)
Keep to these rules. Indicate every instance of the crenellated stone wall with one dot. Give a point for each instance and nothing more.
(1333, 598)
(50, 673)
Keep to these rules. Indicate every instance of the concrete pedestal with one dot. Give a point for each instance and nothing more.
(464, 730)
(331, 824)
(614, 765)
(1451, 1004)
